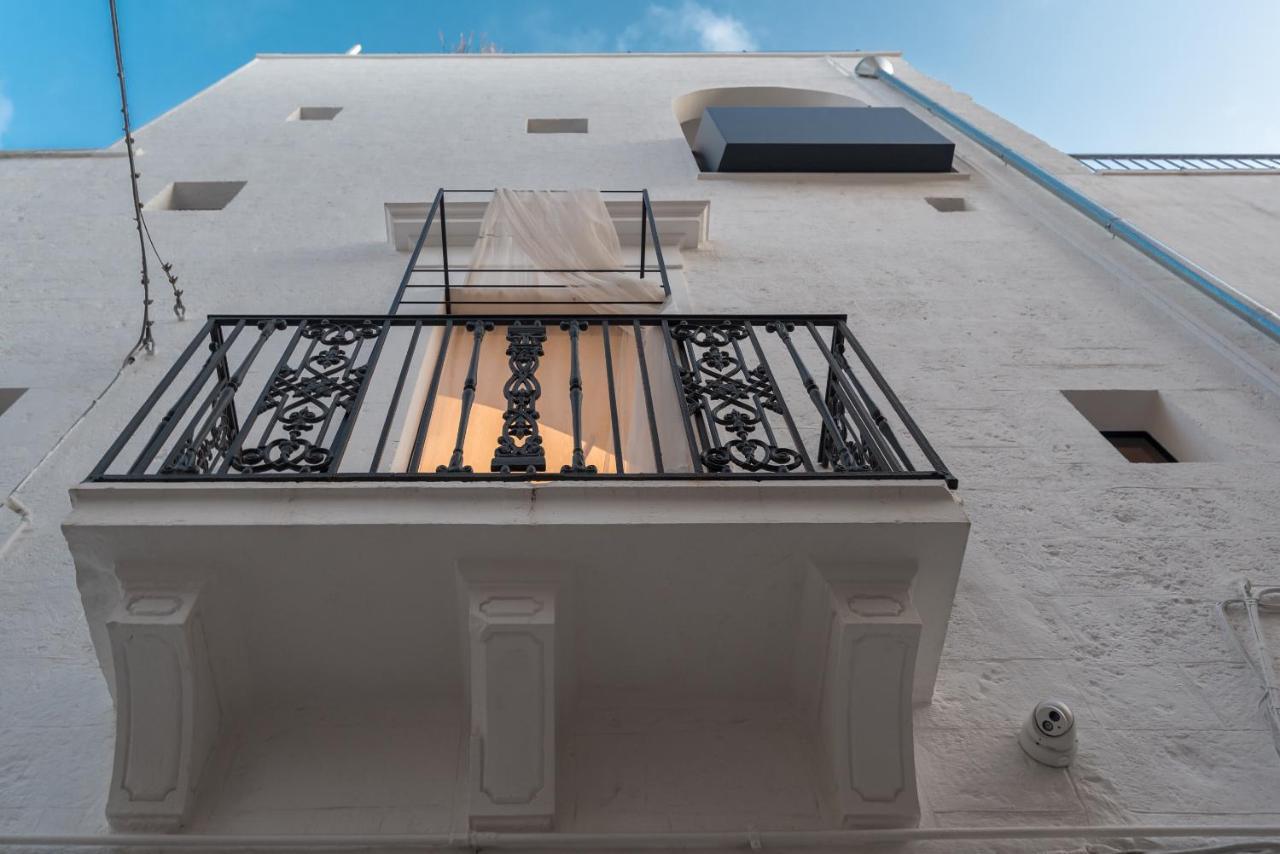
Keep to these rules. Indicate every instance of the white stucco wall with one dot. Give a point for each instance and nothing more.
(1087, 577)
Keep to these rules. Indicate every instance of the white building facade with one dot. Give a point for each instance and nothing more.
(809, 517)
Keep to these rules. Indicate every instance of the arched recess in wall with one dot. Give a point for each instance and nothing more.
(688, 108)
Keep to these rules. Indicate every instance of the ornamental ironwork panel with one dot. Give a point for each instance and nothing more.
(520, 444)
(309, 403)
(728, 399)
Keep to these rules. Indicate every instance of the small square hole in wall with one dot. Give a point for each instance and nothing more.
(195, 196)
(557, 126)
(8, 397)
(1143, 427)
(314, 114)
(947, 204)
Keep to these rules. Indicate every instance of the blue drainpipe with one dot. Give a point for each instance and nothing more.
(1252, 312)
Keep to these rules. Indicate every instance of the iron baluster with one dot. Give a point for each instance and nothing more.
(520, 443)
(444, 257)
(365, 376)
(644, 227)
(428, 406)
(395, 398)
(648, 396)
(881, 423)
(477, 328)
(782, 403)
(579, 463)
(871, 447)
(613, 399)
(152, 399)
(199, 447)
(170, 420)
(783, 330)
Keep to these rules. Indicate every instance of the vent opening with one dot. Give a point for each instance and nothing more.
(1144, 427)
(556, 126)
(8, 397)
(314, 114)
(195, 196)
(947, 204)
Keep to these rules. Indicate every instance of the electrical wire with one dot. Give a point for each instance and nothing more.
(146, 340)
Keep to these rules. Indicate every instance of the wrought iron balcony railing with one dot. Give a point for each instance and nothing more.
(480, 398)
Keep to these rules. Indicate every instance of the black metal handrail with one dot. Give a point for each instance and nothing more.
(438, 212)
(568, 397)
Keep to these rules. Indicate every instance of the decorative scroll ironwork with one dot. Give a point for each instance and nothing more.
(721, 391)
(520, 445)
(305, 401)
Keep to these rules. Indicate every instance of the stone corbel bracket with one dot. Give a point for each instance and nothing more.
(168, 712)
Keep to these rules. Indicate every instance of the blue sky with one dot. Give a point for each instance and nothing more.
(1086, 75)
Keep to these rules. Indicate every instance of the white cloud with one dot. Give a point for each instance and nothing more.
(6, 115)
(688, 26)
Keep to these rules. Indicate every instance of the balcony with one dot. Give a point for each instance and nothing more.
(481, 398)
(479, 563)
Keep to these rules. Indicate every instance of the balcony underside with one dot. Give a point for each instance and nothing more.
(660, 608)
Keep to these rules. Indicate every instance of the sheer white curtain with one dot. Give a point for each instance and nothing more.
(550, 230)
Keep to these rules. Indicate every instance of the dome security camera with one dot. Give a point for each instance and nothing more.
(1049, 735)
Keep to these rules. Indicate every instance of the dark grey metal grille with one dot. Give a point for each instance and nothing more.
(671, 396)
(1180, 162)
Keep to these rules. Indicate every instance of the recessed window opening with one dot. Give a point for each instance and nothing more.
(1138, 446)
(314, 114)
(1145, 427)
(947, 204)
(195, 196)
(8, 397)
(557, 126)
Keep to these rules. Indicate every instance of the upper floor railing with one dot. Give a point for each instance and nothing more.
(482, 398)
(1180, 162)
(437, 283)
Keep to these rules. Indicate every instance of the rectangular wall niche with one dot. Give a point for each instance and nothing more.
(1143, 426)
(557, 126)
(195, 196)
(8, 397)
(314, 114)
(947, 204)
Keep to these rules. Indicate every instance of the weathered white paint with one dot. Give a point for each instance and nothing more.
(1086, 578)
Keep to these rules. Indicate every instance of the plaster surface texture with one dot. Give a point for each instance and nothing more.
(1087, 577)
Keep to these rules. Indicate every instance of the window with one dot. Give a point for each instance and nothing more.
(1144, 426)
(1138, 446)
(195, 196)
(314, 114)
(557, 126)
(8, 397)
(947, 204)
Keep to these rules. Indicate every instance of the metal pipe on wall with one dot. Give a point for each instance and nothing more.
(1252, 312)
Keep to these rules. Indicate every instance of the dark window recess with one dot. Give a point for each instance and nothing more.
(1138, 446)
(8, 397)
(819, 139)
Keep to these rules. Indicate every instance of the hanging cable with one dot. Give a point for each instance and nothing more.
(146, 340)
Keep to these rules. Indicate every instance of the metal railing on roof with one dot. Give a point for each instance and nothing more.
(1180, 162)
